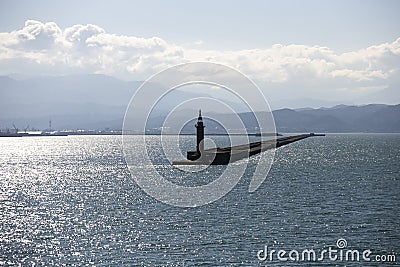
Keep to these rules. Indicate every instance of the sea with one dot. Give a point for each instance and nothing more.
(71, 201)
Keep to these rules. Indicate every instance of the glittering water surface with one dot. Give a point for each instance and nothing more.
(71, 201)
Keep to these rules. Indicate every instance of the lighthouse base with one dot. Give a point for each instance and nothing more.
(193, 155)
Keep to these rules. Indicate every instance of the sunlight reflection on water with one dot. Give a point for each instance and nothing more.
(71, 200)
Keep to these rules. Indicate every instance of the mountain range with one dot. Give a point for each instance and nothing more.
(98, 102)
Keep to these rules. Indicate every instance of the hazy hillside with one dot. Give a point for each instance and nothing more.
(98, 102)
(79, 101)
(374, 118)
(368, 118)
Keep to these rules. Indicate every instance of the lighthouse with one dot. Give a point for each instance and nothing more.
(200, 134)
(195, 155)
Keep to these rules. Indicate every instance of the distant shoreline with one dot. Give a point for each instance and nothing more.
(188, 134)
(120, 133)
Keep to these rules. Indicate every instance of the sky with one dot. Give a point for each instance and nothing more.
(299, 52)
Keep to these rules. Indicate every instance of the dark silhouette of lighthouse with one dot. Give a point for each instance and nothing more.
(200, 134)
(195, 155)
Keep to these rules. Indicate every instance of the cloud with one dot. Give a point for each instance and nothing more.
(45, 49)
(34, 36)
(79, 34)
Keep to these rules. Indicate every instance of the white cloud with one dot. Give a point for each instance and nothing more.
(44, 48)
(79, 34)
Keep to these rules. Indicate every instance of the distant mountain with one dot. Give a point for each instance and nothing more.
(99, 101)
(374, 118)
(342, 118)
(76, 101)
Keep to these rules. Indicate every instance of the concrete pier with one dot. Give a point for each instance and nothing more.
(223, 156)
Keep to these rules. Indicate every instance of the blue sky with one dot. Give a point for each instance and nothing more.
(299, 52)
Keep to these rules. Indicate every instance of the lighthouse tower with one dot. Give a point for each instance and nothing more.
(200, 134)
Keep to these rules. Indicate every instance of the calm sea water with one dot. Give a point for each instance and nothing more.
(71, 201)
